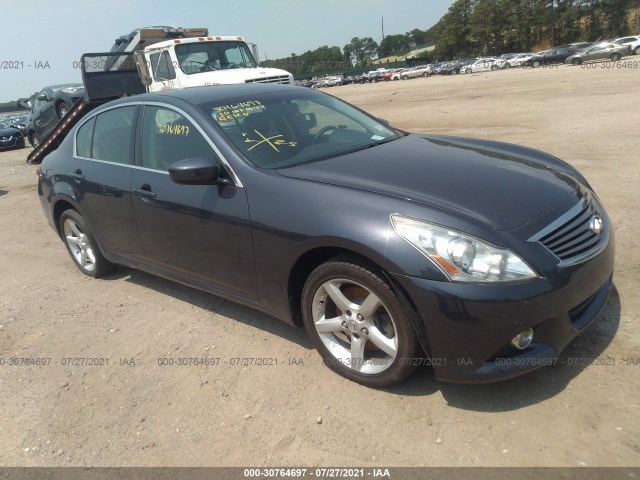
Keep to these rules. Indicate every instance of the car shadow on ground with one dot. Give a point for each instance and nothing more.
(212, 303)
(502, 396)
(3, 191)
(585, 351)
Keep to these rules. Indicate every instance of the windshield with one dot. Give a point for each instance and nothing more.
(285, 129)
(210, 56)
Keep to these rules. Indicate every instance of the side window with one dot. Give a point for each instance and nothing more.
(168, 136)
(84, 138)
(162, 66)
(112, 135)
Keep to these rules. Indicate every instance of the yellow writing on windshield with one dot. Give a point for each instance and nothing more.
(274, 141)
(228, 113)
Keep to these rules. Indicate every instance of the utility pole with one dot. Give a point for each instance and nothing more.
(383, 29)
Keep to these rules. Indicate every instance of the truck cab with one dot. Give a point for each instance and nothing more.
(201, 61)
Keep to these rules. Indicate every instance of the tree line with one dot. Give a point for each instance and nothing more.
(474, 28)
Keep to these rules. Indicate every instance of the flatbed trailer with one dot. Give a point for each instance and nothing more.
(100, 86)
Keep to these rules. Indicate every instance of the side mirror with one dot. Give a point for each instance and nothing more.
(43, 97)
(24, 103)
(195, 171)
(384, 121)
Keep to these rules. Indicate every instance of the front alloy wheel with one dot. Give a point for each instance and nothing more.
(357, 323)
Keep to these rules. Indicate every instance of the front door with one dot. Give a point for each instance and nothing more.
(201, 233)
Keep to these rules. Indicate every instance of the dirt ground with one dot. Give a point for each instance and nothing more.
(134, 412)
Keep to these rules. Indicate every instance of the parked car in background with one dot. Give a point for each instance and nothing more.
(503, 271)
(482, 65)
(419, 71)
(520, 59)
(10, 137)
(601, 51)
(21, 124)
(376, 75)
(50, 105)
(632, 42)
(397, 73)
(504, 61)
(550, 57)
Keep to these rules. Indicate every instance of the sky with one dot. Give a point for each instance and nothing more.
(41, 47)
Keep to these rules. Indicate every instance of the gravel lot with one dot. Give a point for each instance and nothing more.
(134, 412)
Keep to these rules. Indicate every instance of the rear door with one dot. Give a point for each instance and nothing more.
(200, 233)
(101, 177)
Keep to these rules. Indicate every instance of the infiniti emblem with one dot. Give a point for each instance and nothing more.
(595, 225)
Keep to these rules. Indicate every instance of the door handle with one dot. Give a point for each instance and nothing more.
(77, 174)
(144, 191)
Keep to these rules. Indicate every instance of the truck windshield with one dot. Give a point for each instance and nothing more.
(210, 56)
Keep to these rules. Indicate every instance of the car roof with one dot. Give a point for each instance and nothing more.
(197, 95)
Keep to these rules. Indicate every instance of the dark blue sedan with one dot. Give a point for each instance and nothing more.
(481, 259)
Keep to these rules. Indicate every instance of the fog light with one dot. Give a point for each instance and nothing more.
(523, 339)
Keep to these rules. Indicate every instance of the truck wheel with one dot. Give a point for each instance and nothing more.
(62, 109)
(34, 140)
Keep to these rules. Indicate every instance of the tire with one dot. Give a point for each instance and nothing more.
(344, 302)
(636, 51)
(507, 65)
(576, 61)
(34, 140)
(467, 71)
(82, 245)
(535, 64)
(615, 57)
(62, 109)
(494, 68)
(455, 72)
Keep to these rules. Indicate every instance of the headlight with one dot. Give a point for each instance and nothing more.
(461, 257)
(73, 89)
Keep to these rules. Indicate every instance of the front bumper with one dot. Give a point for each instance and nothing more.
(14, 142)
(468, 327)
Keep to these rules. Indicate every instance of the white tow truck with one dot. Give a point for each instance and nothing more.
(169, 58)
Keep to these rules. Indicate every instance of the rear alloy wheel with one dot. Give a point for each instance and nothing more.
(357, 323)
(636, 51)
(615, 57)
(576, 61)
(468, 71)
(494, 67)
(535, 64)
(81, 245)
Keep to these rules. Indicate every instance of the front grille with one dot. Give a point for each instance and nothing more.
(278, 79)
(572, 237)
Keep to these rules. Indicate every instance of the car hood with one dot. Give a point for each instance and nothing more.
(9, 132)
(503, 185)
(233, 76)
